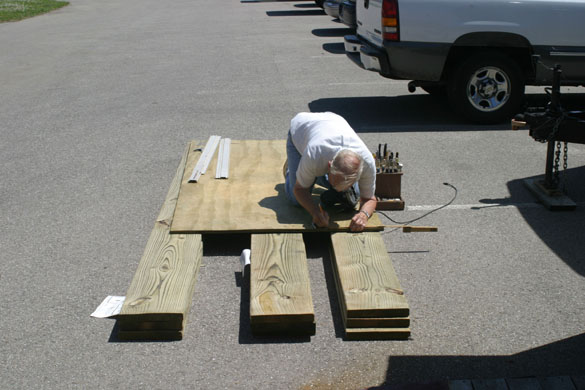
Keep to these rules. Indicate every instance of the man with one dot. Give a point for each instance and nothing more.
(322, 148)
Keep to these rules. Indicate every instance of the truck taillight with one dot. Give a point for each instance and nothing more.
(390, 28)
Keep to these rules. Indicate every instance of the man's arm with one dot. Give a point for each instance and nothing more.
(360, 220)
(303, 195)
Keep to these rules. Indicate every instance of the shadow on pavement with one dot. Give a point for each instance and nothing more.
(307, 12)
(245, 335)
(215, 244)
(414, 112)
(561, 231)
(397, 113)
(332, 32)
(564, 357)
(334, 48)
(307, 5)
(318, 245)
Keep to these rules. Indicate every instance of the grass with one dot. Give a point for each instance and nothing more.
(13, 10)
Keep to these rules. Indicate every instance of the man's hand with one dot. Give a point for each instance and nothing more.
(358, 222)
(321, 218)
(303, 195)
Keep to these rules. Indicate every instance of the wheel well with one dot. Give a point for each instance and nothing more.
(513, 46)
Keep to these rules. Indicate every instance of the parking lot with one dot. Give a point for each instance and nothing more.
(98, 101)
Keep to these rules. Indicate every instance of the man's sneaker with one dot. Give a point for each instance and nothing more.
(349, 198)
(330, 198)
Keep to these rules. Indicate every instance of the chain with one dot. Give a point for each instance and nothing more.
(565, 155)
(551, 136)
(556, 163)
(565, 158)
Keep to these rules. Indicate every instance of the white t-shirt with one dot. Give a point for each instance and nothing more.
(317, 137)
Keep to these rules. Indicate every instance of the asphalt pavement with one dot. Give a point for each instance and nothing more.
(97, 102)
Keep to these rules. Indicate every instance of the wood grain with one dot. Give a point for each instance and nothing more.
(368, 328)
(165, 278)
(280, 290)
(251, 200)
(163, 285)
(367, 279)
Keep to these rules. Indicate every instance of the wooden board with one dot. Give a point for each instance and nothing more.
(280, 290)
(284, 329)
(400, 322)
(150, 325)
(251, 200)
(163, 285)
(377, 333)
(150, 335)
(367, 280)
(165, 278)
(368, 328)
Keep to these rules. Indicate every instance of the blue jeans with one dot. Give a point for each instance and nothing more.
(294, 158)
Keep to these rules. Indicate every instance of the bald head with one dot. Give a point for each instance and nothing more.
(347, 166)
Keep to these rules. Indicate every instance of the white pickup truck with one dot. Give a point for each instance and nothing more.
(480, 53)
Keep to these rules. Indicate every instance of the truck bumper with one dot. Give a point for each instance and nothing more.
(399, 60)
(365, 56)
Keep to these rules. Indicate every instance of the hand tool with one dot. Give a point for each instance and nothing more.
(414, 229)
(380, 152)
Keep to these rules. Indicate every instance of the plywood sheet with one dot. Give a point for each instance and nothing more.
(251, 200)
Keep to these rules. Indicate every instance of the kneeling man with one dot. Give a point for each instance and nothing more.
(322, 148)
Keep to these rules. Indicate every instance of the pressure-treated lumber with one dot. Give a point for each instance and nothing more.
(150, 325)
(165, 278)
(367, 280)
(369, 328)
(377, 333)
(252, 200)
(284, 329)
(280, 291)
(399, 322)
(151, 335)
(372, 328)
(163, 285)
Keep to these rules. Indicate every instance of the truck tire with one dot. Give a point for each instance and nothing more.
(486, 88)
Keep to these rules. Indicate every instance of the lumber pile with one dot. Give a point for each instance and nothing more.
(280, 291)
(158, 299)
(159, 296)
(372, 302)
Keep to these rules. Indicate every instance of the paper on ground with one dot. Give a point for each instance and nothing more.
(110, 307)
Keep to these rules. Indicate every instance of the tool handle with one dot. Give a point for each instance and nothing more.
(517, 125)
(413, 229)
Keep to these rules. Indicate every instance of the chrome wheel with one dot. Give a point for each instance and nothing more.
(488, 89)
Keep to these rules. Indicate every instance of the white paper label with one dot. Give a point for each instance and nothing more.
(110, 307)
